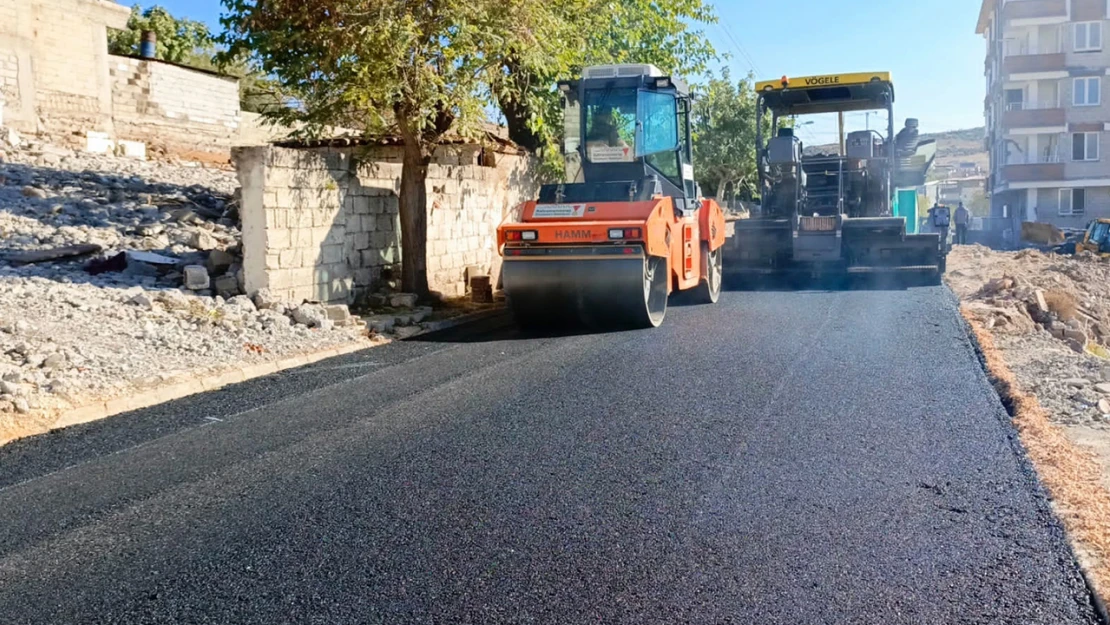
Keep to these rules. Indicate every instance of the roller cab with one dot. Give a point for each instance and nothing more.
(609, 248)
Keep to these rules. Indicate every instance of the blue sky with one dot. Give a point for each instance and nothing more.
(930, 46)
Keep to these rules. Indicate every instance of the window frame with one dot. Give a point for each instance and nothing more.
(1071, 212)
(1087, 156)
(1086, 91)
(1088, 28)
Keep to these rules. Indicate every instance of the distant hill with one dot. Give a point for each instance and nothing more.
(953, 147)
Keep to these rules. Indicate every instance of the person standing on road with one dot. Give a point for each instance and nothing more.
(962, 218)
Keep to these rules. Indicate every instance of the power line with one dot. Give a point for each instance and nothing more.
(739, 47)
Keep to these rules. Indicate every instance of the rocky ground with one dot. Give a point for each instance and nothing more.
(1050, 315)
(118, 274)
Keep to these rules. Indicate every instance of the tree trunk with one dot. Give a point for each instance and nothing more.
(722, 185)
(414, 218)
(515, 108)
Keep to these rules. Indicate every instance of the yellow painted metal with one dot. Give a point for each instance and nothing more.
(828, 80)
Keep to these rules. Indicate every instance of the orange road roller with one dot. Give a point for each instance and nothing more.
(609, 249)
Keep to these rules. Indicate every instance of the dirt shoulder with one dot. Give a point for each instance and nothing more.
(1043, 321)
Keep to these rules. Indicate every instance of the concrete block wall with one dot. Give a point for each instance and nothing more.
(174, 108)
(54, 64)
(322, 224)
(9, 76)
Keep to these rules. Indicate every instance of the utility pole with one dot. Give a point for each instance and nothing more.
(840, 118)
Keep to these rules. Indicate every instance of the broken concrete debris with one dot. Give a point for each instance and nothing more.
(196, 278)
(134, 278)
(1050, 317)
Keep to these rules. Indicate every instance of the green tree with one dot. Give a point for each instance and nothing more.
(724, 133)
(592, 32)
(418, 69)
(188, 42)
(179, 40)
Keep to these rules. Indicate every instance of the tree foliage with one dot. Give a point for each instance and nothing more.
(179, 40)
(188, 42)
(592, 32)
(417, 69)
(724, 133)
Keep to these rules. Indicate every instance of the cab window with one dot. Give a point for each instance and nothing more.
(659, 114)
(1099, 231)
(611, 125)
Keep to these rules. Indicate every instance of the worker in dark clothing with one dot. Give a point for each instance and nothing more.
(962, 219)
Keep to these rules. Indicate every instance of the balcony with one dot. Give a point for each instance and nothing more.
(1033, 116)
(1036, 172)
(1034, 9)
(1034, 63)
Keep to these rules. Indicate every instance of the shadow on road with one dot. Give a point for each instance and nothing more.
(501, 327)
(827, 285)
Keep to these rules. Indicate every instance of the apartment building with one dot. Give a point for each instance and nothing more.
(1047, 110)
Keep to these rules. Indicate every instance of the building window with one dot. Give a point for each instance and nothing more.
(1087, 91)
(1072, 202)
(1088, 37)
(1084, 146)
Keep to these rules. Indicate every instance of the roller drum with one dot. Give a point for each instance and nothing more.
(602, 291)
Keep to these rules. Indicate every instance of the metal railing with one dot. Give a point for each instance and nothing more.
(1033, 106)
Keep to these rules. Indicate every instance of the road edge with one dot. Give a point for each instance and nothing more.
(196, 384)
(1038, 438)
(431, 327)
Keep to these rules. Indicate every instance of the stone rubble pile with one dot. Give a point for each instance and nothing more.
(118, 274)
(1050, 314)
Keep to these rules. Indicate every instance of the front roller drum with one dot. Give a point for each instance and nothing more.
(549, 289)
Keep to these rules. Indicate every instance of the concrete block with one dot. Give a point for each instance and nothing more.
(277, 218)
(300, 218)
(278, 238)
(381, 240)
(334, 235)
(273, 261)
(302, 238)
(371, 258)
(332, 254)
(290, 259)
(363, 276)
(131, 149)
(355, 205)
(99, 143)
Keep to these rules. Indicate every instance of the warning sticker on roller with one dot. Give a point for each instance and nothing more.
(559, 211)
(611, 154)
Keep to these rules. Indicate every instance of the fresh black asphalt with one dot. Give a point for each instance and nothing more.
(782, 457)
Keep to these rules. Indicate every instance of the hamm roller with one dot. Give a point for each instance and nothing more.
(609, 248)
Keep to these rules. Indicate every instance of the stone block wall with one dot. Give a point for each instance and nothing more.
(174, 108)
(54, 64)
(322, 224)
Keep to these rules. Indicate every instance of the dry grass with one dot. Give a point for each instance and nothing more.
(1062, 303)
(1071, 475)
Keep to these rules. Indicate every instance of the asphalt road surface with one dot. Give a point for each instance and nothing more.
(804, 457)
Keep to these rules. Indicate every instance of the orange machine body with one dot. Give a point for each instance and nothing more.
(653, 226)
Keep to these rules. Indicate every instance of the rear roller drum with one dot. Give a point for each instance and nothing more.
(709, 290)
(655, 292)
